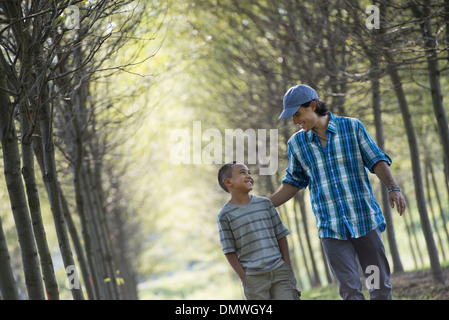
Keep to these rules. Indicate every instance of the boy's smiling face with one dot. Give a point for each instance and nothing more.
(241, 179)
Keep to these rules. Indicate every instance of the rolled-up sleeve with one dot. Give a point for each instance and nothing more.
(295, 174)
(371, 153)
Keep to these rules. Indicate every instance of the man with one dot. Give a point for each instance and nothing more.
(331, 156)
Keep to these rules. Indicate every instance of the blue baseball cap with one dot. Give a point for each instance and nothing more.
(295, 97)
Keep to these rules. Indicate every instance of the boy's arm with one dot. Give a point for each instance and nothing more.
(283, 245)
(236, 265)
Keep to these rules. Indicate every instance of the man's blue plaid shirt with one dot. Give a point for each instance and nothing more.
(337, 176)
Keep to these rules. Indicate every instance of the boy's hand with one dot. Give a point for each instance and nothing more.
(288, 262)
(235, 264)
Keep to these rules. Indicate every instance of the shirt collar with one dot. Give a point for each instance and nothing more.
(331, 126)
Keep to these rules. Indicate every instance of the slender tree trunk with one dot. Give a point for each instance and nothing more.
(335, 69)
(432, 211)
(123, 263)
(302, 207)
(440, 206)
(51, 180)
(38, 151)
(103, 239)
(86, 226)
(27, 127)
(11, 160)
(410, 238)
(85, 271)
(97, 248)
(301, 245)
(375, 89)
(446, 18)
(329, 277)
(96, 184)
(413, 228)
(416, 169)
(292, 244)
(34, 205)
(423, 12)
(8, 288)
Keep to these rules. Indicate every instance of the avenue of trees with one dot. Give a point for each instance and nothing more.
(386, 64)
(54, 58)
(69, 115)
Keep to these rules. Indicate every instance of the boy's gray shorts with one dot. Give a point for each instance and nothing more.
(278, 284)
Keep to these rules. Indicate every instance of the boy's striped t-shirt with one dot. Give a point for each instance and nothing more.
(252, 231)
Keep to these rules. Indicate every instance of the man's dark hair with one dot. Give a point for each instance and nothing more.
(225, 172)
(321, 107)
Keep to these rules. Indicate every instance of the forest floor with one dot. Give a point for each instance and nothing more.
(419, 285)
(409, 285)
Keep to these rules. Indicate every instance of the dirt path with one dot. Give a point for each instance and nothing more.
(419, 285)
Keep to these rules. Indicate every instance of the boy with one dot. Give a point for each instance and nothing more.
(254, 239)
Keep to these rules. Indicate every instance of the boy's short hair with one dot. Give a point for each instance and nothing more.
(225, 172)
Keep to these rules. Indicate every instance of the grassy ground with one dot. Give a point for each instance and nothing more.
(203, 284)
(412, 285)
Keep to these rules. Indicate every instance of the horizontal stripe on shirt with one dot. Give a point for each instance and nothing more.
(252, 231)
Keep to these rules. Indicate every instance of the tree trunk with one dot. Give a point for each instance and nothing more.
(446, 18)
(51, 285)
(432, 211)
(51, 181)
(85, 271)
(434, 78)
(103, 238)
(86, 227)
(413, 228)
(437, 194)
(301, 245)
(410, 238)
(38, 151)
(292, 244)
(302, 208)
(97, 245)
(11, 160)
(375, 89)
(89, 236)
(8, 288)
(416, 169)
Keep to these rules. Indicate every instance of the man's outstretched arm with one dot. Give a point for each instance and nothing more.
(285, 192)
